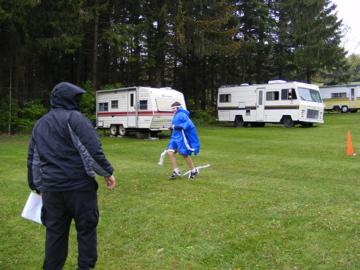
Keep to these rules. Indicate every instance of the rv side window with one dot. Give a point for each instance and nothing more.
(143, 105)
(287, 94)
(272, 95)
(114, 104)
(225, 98)
(103, 107)
(338, 95)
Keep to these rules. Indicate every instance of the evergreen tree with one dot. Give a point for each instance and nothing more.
(354, 63)
(57, 36)
(204, 31)
(308, 38)
(256, 24)
(14, 44)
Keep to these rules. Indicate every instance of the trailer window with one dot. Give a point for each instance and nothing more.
(260, 93)
(143, 105)
(131, 100)
(164, 104)
(274, 95)
(225, 98)
(103, 107)
(338, 95)
(114, 104)
(288, 94)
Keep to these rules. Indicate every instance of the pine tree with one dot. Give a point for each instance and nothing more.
(308, 38)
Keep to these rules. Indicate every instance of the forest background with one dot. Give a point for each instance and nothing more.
(193, 46)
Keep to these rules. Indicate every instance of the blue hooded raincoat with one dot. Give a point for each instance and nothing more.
(184, 137)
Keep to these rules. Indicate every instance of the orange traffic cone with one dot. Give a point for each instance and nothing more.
(350, 150)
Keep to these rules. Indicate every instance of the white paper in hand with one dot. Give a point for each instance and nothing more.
(32, 209)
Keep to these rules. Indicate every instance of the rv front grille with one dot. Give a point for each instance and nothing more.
(314, 114)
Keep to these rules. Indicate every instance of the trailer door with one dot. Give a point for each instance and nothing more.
(132, 109)
(259, 105)
(352, 98)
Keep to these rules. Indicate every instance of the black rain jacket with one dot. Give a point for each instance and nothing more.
(65, 150)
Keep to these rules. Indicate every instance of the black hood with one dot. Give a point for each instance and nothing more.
(66, 95)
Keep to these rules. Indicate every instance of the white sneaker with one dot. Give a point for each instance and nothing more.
(193, 174)
(175, 175)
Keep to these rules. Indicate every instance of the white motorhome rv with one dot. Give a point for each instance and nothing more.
(279, 101)
(143, 109)
(342, 98)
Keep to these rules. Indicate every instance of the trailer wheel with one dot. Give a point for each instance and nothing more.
(344, 109)
(114, 130)
(239, 121)
(288, 122)
(336, 109)
(122, 130)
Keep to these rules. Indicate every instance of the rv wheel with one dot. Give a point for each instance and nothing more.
(344, 109)
(239, 121)
(114, 130)
(122, 130)
(336, 108)
(288, 122)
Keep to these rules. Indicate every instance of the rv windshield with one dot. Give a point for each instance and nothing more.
(309, 95)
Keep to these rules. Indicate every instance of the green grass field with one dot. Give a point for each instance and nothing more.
(273, 198)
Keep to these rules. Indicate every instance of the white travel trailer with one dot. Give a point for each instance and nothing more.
(342, 98)
(143, 109)
(279, 101)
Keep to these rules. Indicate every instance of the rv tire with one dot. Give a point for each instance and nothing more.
(122, 130)
(239, 121)
(114, 130)
(336, 108)
(344, 109)
(288, 122)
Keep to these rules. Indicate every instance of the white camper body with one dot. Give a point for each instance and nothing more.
(278, 101)
(342, 98)
(144, 109)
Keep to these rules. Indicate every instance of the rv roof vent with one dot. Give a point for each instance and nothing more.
(276, 81)
(243, 84)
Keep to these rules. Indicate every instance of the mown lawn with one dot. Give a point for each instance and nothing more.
(273, 198)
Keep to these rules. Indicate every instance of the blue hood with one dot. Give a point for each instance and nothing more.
(181, 110)
(66, 95)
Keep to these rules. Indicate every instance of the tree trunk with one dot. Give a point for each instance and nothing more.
(95, 51)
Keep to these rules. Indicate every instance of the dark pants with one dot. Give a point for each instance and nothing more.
(59, 208)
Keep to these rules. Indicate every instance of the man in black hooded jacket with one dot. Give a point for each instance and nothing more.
(64, 156)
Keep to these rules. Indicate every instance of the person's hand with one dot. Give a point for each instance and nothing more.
(110, 182)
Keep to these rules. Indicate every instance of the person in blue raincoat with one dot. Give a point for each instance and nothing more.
(183, 139)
